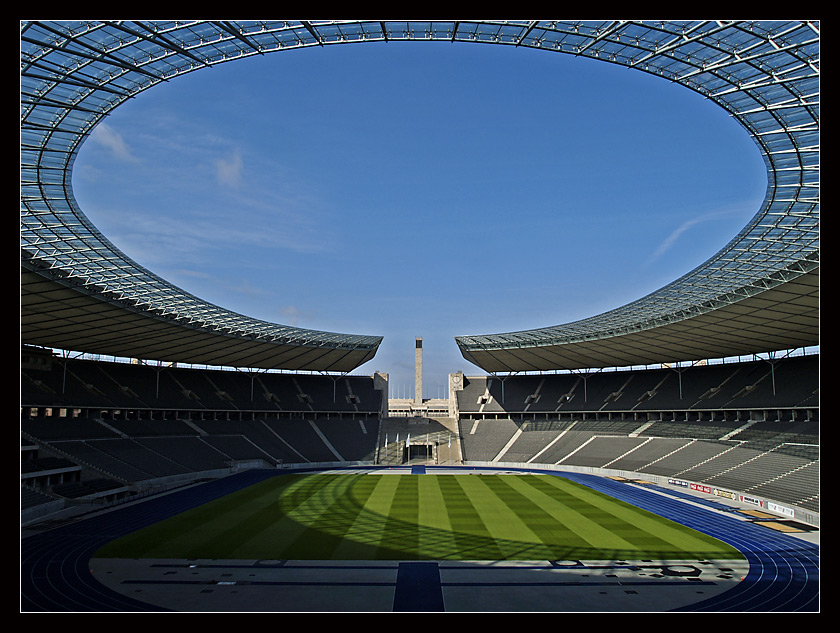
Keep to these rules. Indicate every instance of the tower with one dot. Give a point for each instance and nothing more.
(418, 371)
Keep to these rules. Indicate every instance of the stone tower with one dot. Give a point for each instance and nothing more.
(418, 371)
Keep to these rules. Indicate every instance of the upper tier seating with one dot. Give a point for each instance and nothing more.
(788, 384)
(86, 384)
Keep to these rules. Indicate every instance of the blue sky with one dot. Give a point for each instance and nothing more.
(419, 189)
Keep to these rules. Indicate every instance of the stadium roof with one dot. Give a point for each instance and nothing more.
(758, 294)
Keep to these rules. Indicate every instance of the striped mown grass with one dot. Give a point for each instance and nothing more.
(418, 517)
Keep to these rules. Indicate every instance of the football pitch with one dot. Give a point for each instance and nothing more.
(374, 516)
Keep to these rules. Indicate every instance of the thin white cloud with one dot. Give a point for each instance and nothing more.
(677, 233)
(229, 169)
(204, 238)
(292, 315)
(674, 236)
(106, 136)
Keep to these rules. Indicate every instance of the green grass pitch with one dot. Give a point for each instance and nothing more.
(418, 517)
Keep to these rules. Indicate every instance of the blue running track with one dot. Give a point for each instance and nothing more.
(784, 571)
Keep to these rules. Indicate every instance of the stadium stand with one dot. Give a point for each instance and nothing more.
(762, 438)
(107, 431)
(151, 391)
(787, 388)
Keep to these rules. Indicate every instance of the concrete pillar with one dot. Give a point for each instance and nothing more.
(456, 384)
(418, 371)
(380, 383)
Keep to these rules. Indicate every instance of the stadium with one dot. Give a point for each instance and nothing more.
(178, 456)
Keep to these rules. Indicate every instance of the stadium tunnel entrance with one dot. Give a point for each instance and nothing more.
(419, 440)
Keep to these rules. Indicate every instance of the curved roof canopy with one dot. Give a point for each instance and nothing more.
(759, 293)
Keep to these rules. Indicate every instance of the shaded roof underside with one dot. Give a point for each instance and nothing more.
(783, 318)
(55, 313)
(759, 293)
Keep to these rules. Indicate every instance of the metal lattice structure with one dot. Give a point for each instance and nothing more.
(759, 293)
